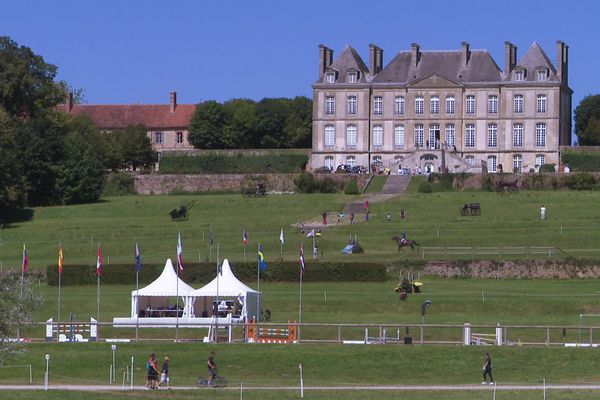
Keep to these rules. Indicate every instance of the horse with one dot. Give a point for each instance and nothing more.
(407, 242)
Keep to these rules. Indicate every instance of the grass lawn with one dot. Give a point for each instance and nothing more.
(432, 219)
(377, 183)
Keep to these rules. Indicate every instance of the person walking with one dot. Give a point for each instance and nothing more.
(212, 367)
(165, 381)
(152, 368)
(352, 218)
(487, 369)
(388, 217)
(543, 212)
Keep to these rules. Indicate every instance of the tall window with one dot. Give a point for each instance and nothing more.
(470, 105)
(329, 136)
(450, 135)
(493, 104)
(518, 104)
(542, 75)
(540, 160)
(351, 136)
(470, 135)
(540, 134)
(450, 105)
(419, 135)
(419, 105)
(352, 77)
(434, 105)
(351, 105)
(492, 163)
(377, 136)
(377, 161)
(158, 137)
(518, 135)
(517, 162)
(492, 135)
(329, 105)
(330, 77)
(399, 136)
(378, 105)
(470, 160)
(179, 137)
(541, 103)
(434, 135)
(399, 105)
(519, 75)
(351, 161)
(329, 162)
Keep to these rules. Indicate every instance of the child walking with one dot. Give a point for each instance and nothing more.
(487, 369)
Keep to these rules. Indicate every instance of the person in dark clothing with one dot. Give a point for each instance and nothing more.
(487, 369)
(212, 367)
(164, 374)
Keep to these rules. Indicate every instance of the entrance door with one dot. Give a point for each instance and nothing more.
(428, 168)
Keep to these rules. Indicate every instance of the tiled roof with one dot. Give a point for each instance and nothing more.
(153, 116)
(536, 58)
(350, 60)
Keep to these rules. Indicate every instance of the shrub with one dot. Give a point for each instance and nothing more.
(548, 168)
(118, 184)
(327, 185)
(219, 163)
(583, 181)
(351, 187)
(424, 187)
(305, 183)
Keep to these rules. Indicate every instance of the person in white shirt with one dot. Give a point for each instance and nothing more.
(543, 212)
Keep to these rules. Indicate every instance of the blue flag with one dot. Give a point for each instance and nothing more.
(261, 259)
(138, 258)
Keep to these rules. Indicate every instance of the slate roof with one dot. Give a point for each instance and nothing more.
(480, 68)
(153, 116)
(535, 59)
(349, 60)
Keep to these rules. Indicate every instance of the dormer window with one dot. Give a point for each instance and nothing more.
(519, 75)
(542, 75)
(352, 77)
(330, 77)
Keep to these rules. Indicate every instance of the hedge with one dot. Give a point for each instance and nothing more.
(232, 163)
(582, 161)
(202, 273)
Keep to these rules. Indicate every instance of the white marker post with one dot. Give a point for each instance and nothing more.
(301, 382)
(114, 365)
(131, 386)
(46, 375)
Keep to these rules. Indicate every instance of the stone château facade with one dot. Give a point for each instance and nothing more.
(437, 110)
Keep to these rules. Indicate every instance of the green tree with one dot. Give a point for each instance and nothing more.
(206, 127)
(11, 183)
(298, 124)
(272, 115)
(135, 147)
(27, 84)
(587, 121)
(241, 122)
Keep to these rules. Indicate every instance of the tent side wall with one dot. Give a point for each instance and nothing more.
(253, 303)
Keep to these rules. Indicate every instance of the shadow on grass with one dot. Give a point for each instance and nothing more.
(11, 215)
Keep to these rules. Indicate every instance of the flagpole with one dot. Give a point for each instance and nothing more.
(244, 252)
(258, 283)
(60, 265)
(23, 269)
(300, 308)
(217, 318)
(98, 291)
(137, 292)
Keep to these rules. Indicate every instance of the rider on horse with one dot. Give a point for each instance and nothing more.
(403, 238)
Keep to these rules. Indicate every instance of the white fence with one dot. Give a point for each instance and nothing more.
(488, 251)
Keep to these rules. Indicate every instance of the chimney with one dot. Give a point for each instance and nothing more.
(172, 102)
(325, 59)
(510, 57)
(562, 61)
(465, 55)
(69, 101)
(416, 55)
(375, 59)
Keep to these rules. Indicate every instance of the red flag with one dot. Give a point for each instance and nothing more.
(99, 262)
(61, 258)
(245, 237)
(301, 259)
(25, 261)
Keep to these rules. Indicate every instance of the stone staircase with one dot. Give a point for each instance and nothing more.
(396, 184)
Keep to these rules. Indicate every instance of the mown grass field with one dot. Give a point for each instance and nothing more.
(433, 219)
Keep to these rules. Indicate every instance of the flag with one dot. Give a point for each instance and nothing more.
(311, 233)
(61, 258)
(25, 261)
(281, 238)
(245, 237)
(179, 251)
(261, 259)
(138, 258)
(211, 237)
(99, 262)
(301, 259)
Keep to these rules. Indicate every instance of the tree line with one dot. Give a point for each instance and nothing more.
(271, 123)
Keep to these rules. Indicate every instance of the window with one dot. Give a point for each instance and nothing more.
(419, 135)
(158, 137)
(470, 105)
(329, 105)
(378, 105)
(492, 163)
(434, 135)
(518, 135)
(470, 160)
(540, 134)
(351, 161)
(493, 104)
(399, 105)
(399, 136)
(352, 77)
(434, 105)
(351, 136)
(377, 136)
(329, 136)
(179, 137)
(541, 103)
(419, 105)
(377, 161)
(492, 135)
(518, 104)
(519, 75)
(517, 163)
(329, 162)
(540, 160)
(450, 135)
(351, 105)
(450, 105)
(470, 135)
(542, 75)
(330, 77)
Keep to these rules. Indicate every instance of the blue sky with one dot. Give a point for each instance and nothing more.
(137, 51)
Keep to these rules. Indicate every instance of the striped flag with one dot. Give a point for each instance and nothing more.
(61, 258)
(25, 261)
(179, 252)
(138, 258)
(245, 237)
(301, 259)
(99, 262)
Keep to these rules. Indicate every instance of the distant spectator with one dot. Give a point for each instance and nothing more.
(352, 218)
(388, 217)
(324, 215)
(487, 369)
(543, 212)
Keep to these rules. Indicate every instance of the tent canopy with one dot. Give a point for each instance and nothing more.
(229, 285)
(166, 285)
